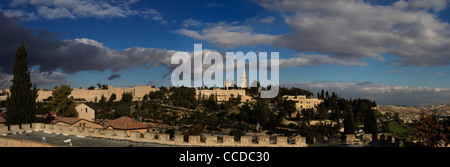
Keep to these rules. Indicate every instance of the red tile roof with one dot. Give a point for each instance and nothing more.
(69, 121)
(125, 123)
(65, 120)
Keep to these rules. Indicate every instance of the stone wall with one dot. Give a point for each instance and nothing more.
(90, 95)
(160, 138)
(5, 142)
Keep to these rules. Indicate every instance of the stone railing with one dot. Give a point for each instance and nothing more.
(160, 138)
(367, 138)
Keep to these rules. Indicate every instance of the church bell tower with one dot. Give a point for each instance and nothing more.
(244, 80)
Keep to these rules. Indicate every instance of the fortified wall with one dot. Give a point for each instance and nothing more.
(138, 93)
(162, 138)
(5, 142)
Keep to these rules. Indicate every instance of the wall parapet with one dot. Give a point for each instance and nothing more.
(159, 138)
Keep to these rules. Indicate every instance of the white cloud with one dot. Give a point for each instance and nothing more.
(435, 5)
(214, 5)
(73, 9)
(154, 15)
(347, 30)
(5, 81)
(315, 60)
(48, 78)
(192, 23)
(354, 29)
(25, 16)
(269, 19)
(17, 2)
(37, 77)
(440, 74)
(54, 13)
(228, 35)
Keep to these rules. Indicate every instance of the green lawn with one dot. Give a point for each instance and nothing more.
(399, 129)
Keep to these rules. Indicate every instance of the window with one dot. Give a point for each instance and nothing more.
(86, 110)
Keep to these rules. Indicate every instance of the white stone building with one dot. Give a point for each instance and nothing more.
(85, 112)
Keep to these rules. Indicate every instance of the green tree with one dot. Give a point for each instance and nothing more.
(127, 97)
(105, 87)
(261, 112)
(49, 99)
(370, 122)
(307, 115)
(289, 106)
(183, 97)
(61, 103)
(102, 101)
(322, 112)
(121, 110)
(145, 97)
(161, 95)
(112, 98)
(21, 104)
(211, 104)
(349, 124)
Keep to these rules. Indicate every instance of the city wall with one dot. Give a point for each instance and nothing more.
(138, 93)
(5, 142)
(161, 138)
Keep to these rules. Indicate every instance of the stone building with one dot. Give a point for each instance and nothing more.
(222, 94)
(226, 93)
(85, 112)
(4, 94)
(304, 103)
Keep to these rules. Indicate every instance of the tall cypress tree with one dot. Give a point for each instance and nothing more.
(21, 104)
(349, 124)
(370, 122)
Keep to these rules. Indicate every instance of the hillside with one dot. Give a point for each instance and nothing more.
(409, 113)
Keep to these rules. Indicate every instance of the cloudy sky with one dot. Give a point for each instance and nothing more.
(392, 51)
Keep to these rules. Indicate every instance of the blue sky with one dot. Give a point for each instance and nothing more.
(386, 50)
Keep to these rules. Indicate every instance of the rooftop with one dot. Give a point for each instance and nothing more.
(69, 121)
(126, 123)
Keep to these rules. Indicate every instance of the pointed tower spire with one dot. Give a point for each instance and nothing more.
(244, 80)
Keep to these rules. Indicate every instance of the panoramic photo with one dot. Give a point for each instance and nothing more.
(250, 74)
